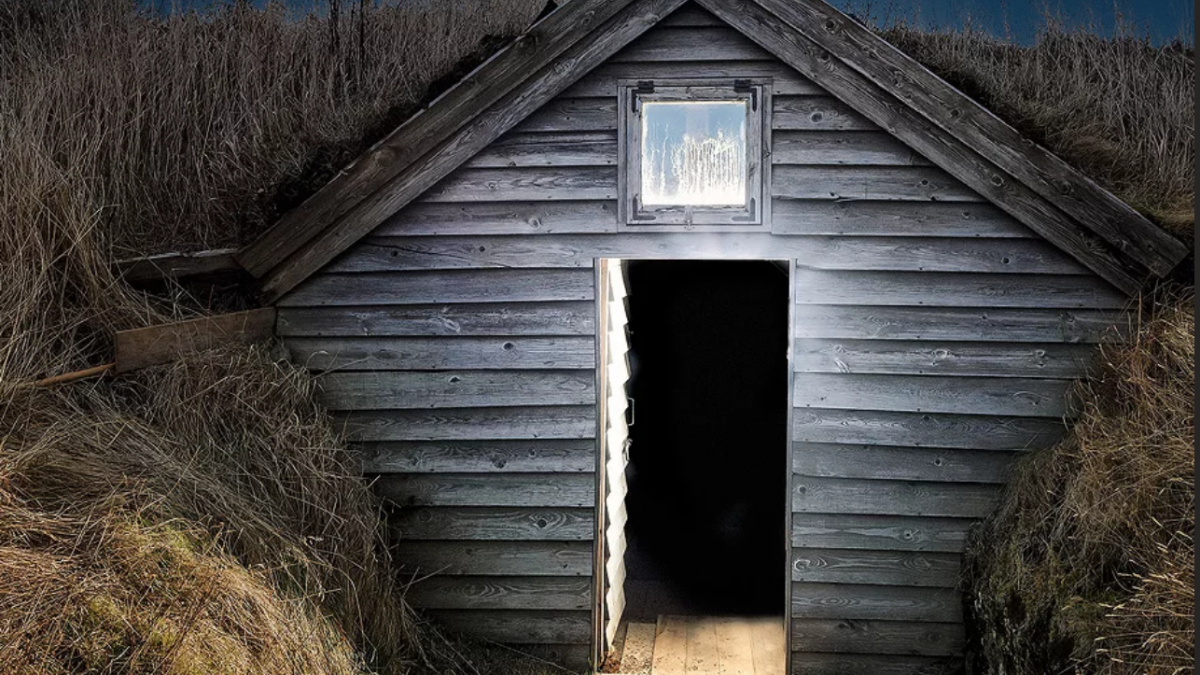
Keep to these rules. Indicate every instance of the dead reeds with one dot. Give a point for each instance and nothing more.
(1120, 109)
(1088, 566)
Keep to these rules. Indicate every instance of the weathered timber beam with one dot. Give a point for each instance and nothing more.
(416, 177)
(973, 169)
(981, 130)
(486, 85)
(156, 345)
(177, 265)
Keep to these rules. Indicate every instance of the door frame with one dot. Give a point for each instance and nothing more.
(601, 268)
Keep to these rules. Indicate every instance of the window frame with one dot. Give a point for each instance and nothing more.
(636, 216)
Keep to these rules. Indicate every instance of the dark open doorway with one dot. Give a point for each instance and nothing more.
(708, 461)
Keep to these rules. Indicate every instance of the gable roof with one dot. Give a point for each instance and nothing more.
(851, 62)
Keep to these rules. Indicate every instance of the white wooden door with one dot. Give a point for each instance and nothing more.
(614, 442)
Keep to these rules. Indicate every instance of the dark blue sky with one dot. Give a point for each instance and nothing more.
(1161, 20)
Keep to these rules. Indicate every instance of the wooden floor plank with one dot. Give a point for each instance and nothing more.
(703, 658)
(770, 648)
(638, 656)
(735, 645)
(670, 646)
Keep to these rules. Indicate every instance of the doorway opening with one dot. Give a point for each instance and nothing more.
(703, 518)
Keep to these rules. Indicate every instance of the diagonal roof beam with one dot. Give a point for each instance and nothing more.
(967, 165)
(949, 109)
(414, 177)
(499, 75)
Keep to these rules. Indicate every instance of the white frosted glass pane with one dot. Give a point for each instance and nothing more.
(694, 153)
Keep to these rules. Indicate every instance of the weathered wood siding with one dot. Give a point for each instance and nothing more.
(935, 341)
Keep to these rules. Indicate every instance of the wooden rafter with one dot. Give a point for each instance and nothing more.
(487, 84)
(950, 153)
(979, 129)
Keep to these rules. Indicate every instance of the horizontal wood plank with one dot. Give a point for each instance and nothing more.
(909, 254)
(888, 183)
(604, 80)
(822, 112)
(878, 637)
(895, 463)
(887, 568)
(526, 150)
(831, 148)
(450, 353)
(523, 456)
(542, 318)
(576, 658)
(511, 593)
(495, 558)
(494, 489)
(958, 359)
(926, 430)
(157, 345)
(533, 184)
(891, 497)
(989, 325)
(446, 286)
(501, 218)
(810, 663)
(866, 603)
(902, 254)
(954, 290)
(493, 524)
(572, 115)
(690, 16)
(720, 43)
(158, 268)
(391, 390)
(518, 627)
(893, 219)
(469, 424)
(1007, 396)
(880, 533)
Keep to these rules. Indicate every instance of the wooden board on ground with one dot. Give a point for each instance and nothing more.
(687, 645)
(638, 655)
(156, 345)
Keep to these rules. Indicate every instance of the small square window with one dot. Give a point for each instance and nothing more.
(692, 154)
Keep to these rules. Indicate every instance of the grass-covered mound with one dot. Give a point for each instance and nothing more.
(1089, 564)
(200, 518)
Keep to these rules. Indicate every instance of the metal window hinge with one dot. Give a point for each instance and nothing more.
(636, 214)
(747, 87)
(643, 88)
(752, 212)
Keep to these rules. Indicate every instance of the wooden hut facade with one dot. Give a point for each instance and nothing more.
(460, 292)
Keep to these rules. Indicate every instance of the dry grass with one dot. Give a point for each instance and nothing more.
(1089, 564)
(112, 594)
(1120, 109)
(228, 444)
(209, 503)
(197, 131)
